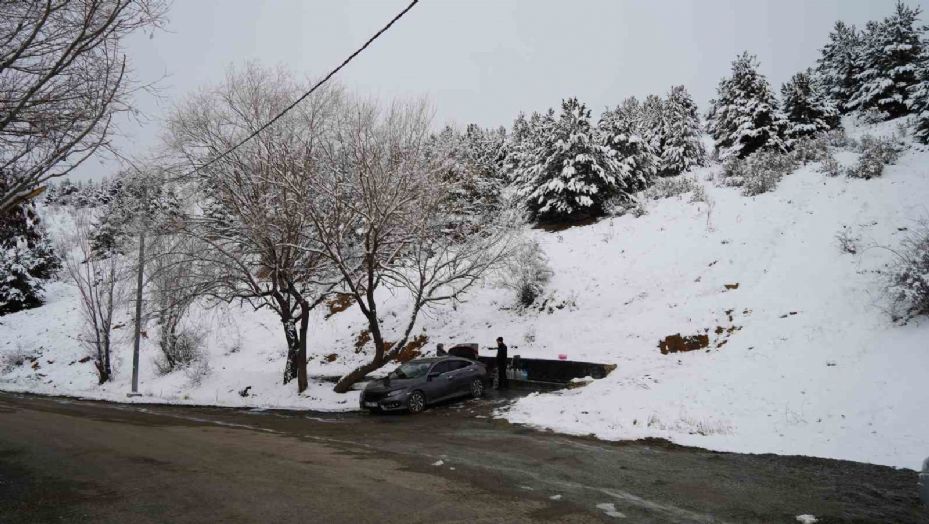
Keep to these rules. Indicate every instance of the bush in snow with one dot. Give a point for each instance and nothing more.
(11, 360)
(830, 166)
(671, 186)
(526, 273)
(808, 111)
(810, 149)
(758, 173)
(699, 194)
(27, 259)
(745, 116)
(574, 172)
(908, 276)
(837, 137)
(179, 349)
(889, 59)
(875, 154)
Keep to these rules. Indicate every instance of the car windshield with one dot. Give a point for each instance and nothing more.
(411, 370)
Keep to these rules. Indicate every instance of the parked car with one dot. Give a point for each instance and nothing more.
(418, 383)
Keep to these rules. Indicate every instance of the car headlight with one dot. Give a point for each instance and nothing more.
(396, 393)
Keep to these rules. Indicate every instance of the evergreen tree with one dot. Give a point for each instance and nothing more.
(574, 174)
(918, 101)
(141, 203)
(682, 147)
(27, 259)
(745, 116)
(624, 130)
(474, 164)
(889, 59)
(839, 65)
(806, 107)
(527, 142)
(652, 123)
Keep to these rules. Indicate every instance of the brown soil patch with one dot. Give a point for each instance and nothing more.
(678, 344)
(338, 303)
(361, 340)
(412, 349)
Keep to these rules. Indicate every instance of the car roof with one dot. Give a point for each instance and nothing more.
(431, 360)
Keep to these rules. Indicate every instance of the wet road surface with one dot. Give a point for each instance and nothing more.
(78, 461)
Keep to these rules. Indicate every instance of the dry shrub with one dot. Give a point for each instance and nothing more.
(907, 283)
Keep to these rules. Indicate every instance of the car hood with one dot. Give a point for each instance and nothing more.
(390, 384)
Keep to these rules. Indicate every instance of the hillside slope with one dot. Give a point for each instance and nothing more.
(802, 359)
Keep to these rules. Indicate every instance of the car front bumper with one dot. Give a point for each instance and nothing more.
(385, 403)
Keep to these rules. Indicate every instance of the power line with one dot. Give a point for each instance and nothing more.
(308, 93)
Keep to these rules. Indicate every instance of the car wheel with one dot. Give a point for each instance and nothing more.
(477, 388)
(416, 403)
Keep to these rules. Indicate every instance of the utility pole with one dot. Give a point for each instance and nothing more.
(138, 316)
(142, 224)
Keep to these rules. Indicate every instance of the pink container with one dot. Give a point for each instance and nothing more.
(562, 356)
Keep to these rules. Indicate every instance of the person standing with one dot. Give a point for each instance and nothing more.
(502, 382)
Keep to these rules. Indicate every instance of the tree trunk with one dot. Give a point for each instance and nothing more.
(295, 367)
(293, 349)
(346, 382)
(381, 355)
(344, 385)
(301, 349)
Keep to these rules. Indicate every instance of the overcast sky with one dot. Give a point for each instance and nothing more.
(483, 60)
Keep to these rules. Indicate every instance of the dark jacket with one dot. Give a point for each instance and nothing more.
(501, 353)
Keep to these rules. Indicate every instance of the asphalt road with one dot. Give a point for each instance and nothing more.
(77, 461)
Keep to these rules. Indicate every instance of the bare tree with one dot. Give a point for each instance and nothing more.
(174, 287)
(63, 77)
(382, 214)
(251, 228)
(100, 281)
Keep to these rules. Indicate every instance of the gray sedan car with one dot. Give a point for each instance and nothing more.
(424, 381)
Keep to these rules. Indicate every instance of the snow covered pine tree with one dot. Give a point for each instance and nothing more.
(474, 162)
(682, 148)
(839, 65)
(889, 58)
(26, 259)
(745, 116)
(625, 131)
(806, 107)
(918, 100)
(574, 174)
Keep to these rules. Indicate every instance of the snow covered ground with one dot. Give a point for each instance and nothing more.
(803, 359)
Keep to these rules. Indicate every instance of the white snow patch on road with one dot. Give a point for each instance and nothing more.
(609, 509)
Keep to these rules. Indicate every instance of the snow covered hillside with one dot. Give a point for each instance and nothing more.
(802, 357)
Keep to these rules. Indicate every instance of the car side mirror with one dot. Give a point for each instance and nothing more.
(431, 376)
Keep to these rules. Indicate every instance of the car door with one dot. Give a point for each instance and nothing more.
(459, 377)
(437, 388)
